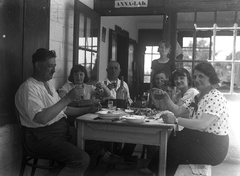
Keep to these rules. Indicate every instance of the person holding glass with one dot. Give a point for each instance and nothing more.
(113, 82)
(43, 114)
(204, 139)
(78, 78)
(161, 81)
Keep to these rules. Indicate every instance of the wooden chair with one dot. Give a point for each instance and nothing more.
(29, 158)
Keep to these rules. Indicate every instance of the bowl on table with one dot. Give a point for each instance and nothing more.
(133, 119)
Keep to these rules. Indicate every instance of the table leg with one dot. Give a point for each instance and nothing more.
(163, 153)
(80, 134)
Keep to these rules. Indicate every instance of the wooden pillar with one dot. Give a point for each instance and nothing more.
(170, 26)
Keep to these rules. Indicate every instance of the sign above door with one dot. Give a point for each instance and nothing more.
(130, 3)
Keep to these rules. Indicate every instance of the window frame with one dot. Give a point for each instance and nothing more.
(206, 32)
(91, 65)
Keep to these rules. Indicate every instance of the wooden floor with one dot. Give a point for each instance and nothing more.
(227, 168)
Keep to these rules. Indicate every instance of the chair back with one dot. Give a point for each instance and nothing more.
(21, 131)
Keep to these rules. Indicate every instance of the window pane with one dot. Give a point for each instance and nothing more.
(151, 53)
(205, 19)
(95, 43)
(89, 42)
(223, 48)
(81, 57)
(202, 54)
(203, 42)
(155, 50)
(224, 73)
(147, 64)
(88, 57)
(203, 48)
(187, 54)
(148, 49)
(237, 57)
(146, 79)
(188, 42)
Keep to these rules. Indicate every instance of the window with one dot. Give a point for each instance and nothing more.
(151, 53)
(86, 39)
(214, 40)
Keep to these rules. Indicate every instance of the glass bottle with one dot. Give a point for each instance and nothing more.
(121, 92)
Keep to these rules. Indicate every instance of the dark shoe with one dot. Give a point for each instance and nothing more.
(111, 159)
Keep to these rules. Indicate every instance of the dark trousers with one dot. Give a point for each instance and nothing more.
(55, 141)
(192, 147)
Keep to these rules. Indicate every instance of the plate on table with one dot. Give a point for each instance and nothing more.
(110, 114)
(133, 118)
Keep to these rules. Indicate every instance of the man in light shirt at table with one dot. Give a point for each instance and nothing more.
(43, 116)
(112, 81)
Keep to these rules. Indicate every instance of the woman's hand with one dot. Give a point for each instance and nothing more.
(169, 118)
(159, 94)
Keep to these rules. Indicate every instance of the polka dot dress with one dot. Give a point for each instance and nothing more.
(213, 103)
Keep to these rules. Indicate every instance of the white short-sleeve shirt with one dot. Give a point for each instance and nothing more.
(31, 98)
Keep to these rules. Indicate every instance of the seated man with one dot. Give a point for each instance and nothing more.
(112, 81)
(42, 113)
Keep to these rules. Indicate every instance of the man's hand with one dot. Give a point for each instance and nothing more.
(74, 94)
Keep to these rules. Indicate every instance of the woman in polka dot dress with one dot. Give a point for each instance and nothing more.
(204, 139)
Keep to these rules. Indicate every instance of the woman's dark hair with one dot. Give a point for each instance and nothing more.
(42, 55)
(181, 72)
(207, 69)
(78, 68)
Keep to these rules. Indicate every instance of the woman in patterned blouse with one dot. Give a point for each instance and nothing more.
(204, 139)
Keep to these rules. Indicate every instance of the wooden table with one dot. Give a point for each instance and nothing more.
(148, 133)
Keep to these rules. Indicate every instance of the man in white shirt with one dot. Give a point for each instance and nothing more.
(42, 115)
(112, 81)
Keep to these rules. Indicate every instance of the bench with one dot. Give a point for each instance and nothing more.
(194, 170)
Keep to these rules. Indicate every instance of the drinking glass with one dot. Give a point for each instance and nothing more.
(146, 96)
(157, 94)
(110, 104)
(80, 88)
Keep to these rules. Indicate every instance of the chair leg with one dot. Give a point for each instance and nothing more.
(143, 152)
(22, 165)
(34, 168)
